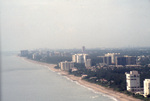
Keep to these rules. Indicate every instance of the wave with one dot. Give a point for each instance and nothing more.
(96, 92)
(100, 93)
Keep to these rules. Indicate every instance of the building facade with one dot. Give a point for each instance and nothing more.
(121, 61)
(107, 60)
(88, 63)
(79, 58)
(133, 81)
(146, 87)
(126, 60)
(113, 56)
(74, 58)
(66, 65)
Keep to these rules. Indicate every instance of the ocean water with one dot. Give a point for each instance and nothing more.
(25, 81)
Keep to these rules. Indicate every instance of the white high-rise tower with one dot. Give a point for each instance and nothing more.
(133, 81)
(146, 87)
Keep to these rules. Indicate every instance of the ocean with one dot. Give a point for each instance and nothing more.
(25, 81)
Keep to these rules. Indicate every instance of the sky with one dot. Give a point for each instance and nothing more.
(67, 24)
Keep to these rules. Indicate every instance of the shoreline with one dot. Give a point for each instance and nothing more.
(98, 88)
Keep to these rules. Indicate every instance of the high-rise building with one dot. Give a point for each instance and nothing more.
(79, 58)
(74, 58)
(107, 60)
(126, 60)
(66, 65)
(88, 63)
(113, 56)
(133, 81)
(83, 49)
(85, 56)
(121, 61)
(130, 60)
(146, 87)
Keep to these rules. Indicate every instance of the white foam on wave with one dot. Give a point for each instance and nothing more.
(25, 60)
(48, 68)
(111, 97)
(93, 97)
(100, 93)
(51, 70)
(58, 73)
(68, 78)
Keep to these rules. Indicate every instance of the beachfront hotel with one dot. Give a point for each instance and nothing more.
(66, 65)
(146, 87)
(133, 81)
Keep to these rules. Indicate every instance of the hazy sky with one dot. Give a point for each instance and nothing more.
(30, 24)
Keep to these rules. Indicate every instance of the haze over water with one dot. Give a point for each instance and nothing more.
(25, 81)
(31, 24)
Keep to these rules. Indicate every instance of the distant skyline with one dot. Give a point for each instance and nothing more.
(68, 24)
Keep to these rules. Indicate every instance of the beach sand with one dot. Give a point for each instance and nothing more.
(117, 95)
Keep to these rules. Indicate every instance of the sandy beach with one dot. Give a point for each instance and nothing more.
(95, 87)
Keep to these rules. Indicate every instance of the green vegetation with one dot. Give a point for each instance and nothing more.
(113, 78)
